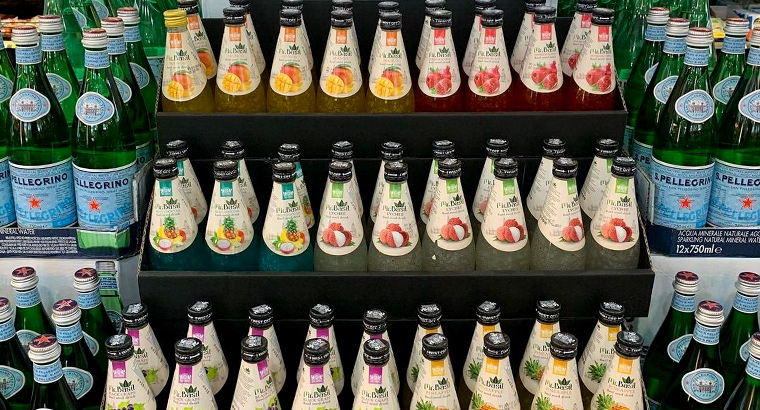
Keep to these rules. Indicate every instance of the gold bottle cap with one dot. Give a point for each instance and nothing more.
(176, 18)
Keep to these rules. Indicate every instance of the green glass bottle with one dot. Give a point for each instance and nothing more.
(104, 144)
(143, 124)
(72, 33)
(741, 324)
(7, 79)
(153, 34)
(57, 66)
(15, 367)
(644, 68)
(747, 395)
(628, 44)
(85, 13)
(138, 60)
(725, 76)
(50, 390)
(102, 7)
(684, 141)
(697, 382)
(672, 338)
(96, 324)
(109, 292)
(31, 319)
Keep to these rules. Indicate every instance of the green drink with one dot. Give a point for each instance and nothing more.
(138, 60)
(57, 66)
(31, 319)
(15, 367)
(741, 324)
(96, 324)
(153, 34)
(7, 78)
(725, 76)
(104, 144)
(50, 391)
(109, 291)
(629, 42)
(86, 14)
(748, 393)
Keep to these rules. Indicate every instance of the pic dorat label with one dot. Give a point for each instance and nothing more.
(184, 75)
(395, 232)
(191, 390)
(439, 72)
(560, 220)
(238, 73)
(389, 78)
(595, 72)
(341, 73)
(615, 225)
(504, 224)
(539, 69)
(449, 225)
(291, 72)
(576, 39)
(621, 386)
(229, 230)
(495, 386)
(340, 229)
(172, 226)
(285, 232)
(490, 74)
(559, 386)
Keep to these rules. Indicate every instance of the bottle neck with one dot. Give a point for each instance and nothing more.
(89, 300)
(745, 304)
(69, 334)
(132, 34)
(28, 299)
(753, 58)
(52, 42)
(683, 303)
(706, 335)
(752, 377)
(674, 46)
(116, 46)
(7, 331)
(697, 58)
(28, 55)
(96, 58)
(733, 45)
(655, 33)
(47, 373)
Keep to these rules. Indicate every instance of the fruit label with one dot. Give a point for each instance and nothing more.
(213, 358)
(536, 355)
(390, 78)
(423, 44)
(141, 75)
(430, 190)
(495, 388)
(28, 105)
(395, 232)
(597, 355)
(126, 386)
(291, 70)
(255, 388)
(615, 224)
(504, 223)
(285, 232)
(340, 229)
(47, 373)
(11, 381)
(315, 390)
(490, 74)
(706, 335)
(104, 197)
(44, 195)
(682, 194)
(540, 187)
(149, 358)
(439, 73)
(253, 40)
(574, 42)
(190, 389)
(522, 42)
(539, 69)
(246, 189)
(684, 303)
(621, 387)
(485, 183)
(229, 230)
(472, 46)
(753, 57)
(275, 362)
(184, 75)
(7, 213)
(595, 185)
(473, 364)
(595, 72)
(559, 387)
(415, 361)
(337, 371)
(303, 193)
(435, 389)
(723, 89)
(172, 226)
(80, 382)
(6, 88)
(663, 89)
(560, 220)
(376, 388)
(61, 88)
(745, 304)
(341, 73)
(375, 45)
(238, 73)
(449, 226)
(735, 191)
(359, 373)
(753, 367)
(94, 109)
(649, 74)
(704, 385)
(188, 183)
(202, 45)
(677, 348)
(749, 106)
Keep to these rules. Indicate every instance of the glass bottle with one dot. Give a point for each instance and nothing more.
(184, 82)
(30, 318)
(496, 149)
(200, 38)
(291, 89)
(72, 33)
(7, 79)
(442, 149)
(235, 151)
(304, 36)
(57, 66)
(523, 36)
(423, 44)
(559, 241)
(109, 292)
(344, 151)
(474, 39)
(595, 184)
(148, 355)
(382, 8)
(341, 86)
(253, 39)
(4, 405)
(255, 386)
(540, 86)
(438, 85)
(321, 319)
(730, 66)
(153, 33)
(594, 77)
(615, 232)
(599, 352)
(138, 60)
(536, 355)
(125, 383)
(201, 327)
(621, 384)
(390, 82)
(188, 181)
(745, 397)
(261, 323)
(495, 387)
(580, 28)
(292, 153)
(390, 151)
(348, 5)
(50, 390)
(102, 7)
(631, 38)
(534, 204)
(684, 141)
(559, 386)
(190, 385)
(435, 386)
(376, 382)
(315, 386)
(428, 322)
(80, 369)
(672, 338)
(37, 148)
(487, 317)
(86, 14)
(96, 326)
(740, 325)
(375, 323)
(395, 244)
(15, 367)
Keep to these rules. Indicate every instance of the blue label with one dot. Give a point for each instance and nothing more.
(654, 33)
(627, 137)
(724, 88)
(29, 105)
(104, 197)
(124, 90)
(749, 106)
(6, 88)
(78, 380)
(299, 171)
(697, 57)
(28, 55)
(164, 188)
(141, 75)
(735, 192)
(7, 331)
(68, 335)
(100, 8)
(44, 195)
(11, 381)
(677, 347)
(649, 74)
(96, 59)
(28, 299)
(92, 344)
(696, 106)
(52, 42)
(116, 46)
(157, 66)
(682, 194)
(675, 45)
(753, 58)
(61, 88)
(745, 304)
(47, 373)
(663, 89)
(7, 211)
(703, 385)
(753, 367)
(81, 19)
(109, 283)
(132, 34)
(642, 153)
(684, 303)
(706, 335)
(93, 109)
(89, 300)
(144, 154)
(733, 45)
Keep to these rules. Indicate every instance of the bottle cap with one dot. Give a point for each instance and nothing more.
(677, 27)
(565, 168)
(86, 280)
(24, 279)
(119, 347)
(531, 5)
(135, 315)
(544, 14)
(709, 313)
(547, 311)
(390, 20)
(629, 344)
(376, 352)
(51, 24)
(606, 148)
(130, 15)
(245, 4)
(433, 5)
(225, 170)
(176, 149)
(755, 40)
(261, 317)
(25, 35)
(492, 18)
(375, 321)
(190, 6)
(585, 6)
(602, 16)
(563, 346)
(449, 168)
(435, 346)
(253, 349)
(188, 351)
(200, 313)
(94, 38)
(340, 171)
(748, 283)
(343, 150)
(440, 18)
(289, 152)
(234, 16)
(624, 167)
(686, 283)
(396, 171)
(176, 18)
(44, 349)
(754, 345)
(292, 4)
(343, 5)
(316, 352)
(290, 17)
(505, 168)
(6, 310)
(481, 5)
(735, 27)
(658, 16)
(105, 266)
(165, 168)
(341, 18)
(429, 316)
(488, 313)
(388, 6)
(443, 149)
(699, 37)
(283, 172)
(554, 148)
(233, 150)
(66, 312)
(391, 151)
(321, 316)
(114, 26)
(497, 148)
(611, 313)
(496, 345)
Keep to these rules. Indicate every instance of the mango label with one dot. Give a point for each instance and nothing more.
(291, 70)
(238, 73)
(389, 78)
(341, 72)
(184, 74)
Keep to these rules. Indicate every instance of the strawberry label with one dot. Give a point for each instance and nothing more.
(395, 232)
(341, 74)
(597, 355)
(559, 386)
(238, 73)
(213, 360)
(430, 188)
(423, 44)
(285, 232)
(574, 42)
(522, 42)
(253, 40)
(504, 224)
(188, 183)
(340, 228)
(595, 185)
(172, 226)
(540, 187)
(560, 220)
(449, 225)
(539, 69)
(490, 74)
(439, 73)
(229, 230)
(389, 78)
(536, 356)
(202, 45)
(616, 225)
(184, 75)
(249, 195)
(620, 385)
(475, 355)
(595, 72)
(484, 190)
(472, 46)
(291, 68)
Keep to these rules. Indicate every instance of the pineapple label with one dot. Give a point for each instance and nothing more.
(149, 358)
(616, 225)
(539, 69)
(475, 357)
(504, 225)
(172, 226)
(540, 187)
(560, 220)
(435, 389)
(335, 365)
(253, 41)
(184, 75)
(423, 44)
(495, 388)
(303, 194)
(360, 368)
(377, 194)
(490, 74)
(191, 389)
(315, 390)
(202, 44)
(574, 42)
(285, 232)
(375, 389)
(621, 387)
(395, 232)
(389, 78)
(249, 195)
(559, 389)
(596, 67)
(598, 355)
(275, 363)
(340, 229)
(291, 70)
(126, 386)
(595, 185)
(472, 45)
(449, 225)
(213, 361)
(483, 192)
(416, 360)
(439, 73)
(522, 42)
(238, 72)
(537, 355)
(229, 230)
(255, 387)
(341, 73)
(430, 189)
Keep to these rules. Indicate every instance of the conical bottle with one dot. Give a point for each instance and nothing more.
(600, 350)
(37, 147)
(496, 149)
(190, 385)
(235, 151)
(389, 89)
(348, 5)
(30, 318)
(428, 322)
(684, 141)
(341, 86)
(125, 383)
(57, 66)
(621, 383)
(595, 184)
(559, 386)
(253, 39)
(291, 87)
(375, 323)
(534, 204)
(201, 327)
(536, 355)
(344, 151)
(495, 387)
(376, 383)
(109, 292)
(14, 362)
(316, 389)
(725, 76)
(474, 39)
(580, 28)
(304, 35)
(745, 396)
(540, 85)
(96, 326)
(382, 7)
(631, 38)
(7, 79)
(741, 321)
(86, 14)
(523, 36)
(442, 149)
(321, 319)
(487, 317)
(435, 386)
(50, 390)
(199, 38)
(424, 43)
(255, 386)
(559, 241)
(292, 153)
(138, 60)
(188, 181)
(261, 323)
(439, 84)
(390, 151)
(153, 34)
(148, 355)
(615, 232)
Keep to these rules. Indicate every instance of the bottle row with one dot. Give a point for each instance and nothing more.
(387, 236)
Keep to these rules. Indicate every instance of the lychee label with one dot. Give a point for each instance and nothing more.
(439, 72)
(504, 225)
(449, 224)
(539, 69)
(472, 46)
(622, 383)
(238, 73)
(560, 220)
(540, 187)
(172, 226)
(429, 195)
(229, 230)
(188, 183)
(395, 232)
(202, 45)
(559, 386)
(340, 228)
(246, 189)
(597, 355)
(389, 78)
(490, 74)
(184, 75)
(285, 232)
(341, 74)
(574, 42)
(522, 42)
(616, 225)
(595, 72)
(484, 190)
(536, 356)
(291, 70)
(595, 185)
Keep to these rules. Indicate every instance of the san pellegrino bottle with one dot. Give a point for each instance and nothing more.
(291, 86)
(524, 35)
(474, 39)
(422, 46)
(102, 7)
(109, 291)
(321, 319)
(190, 385)
(536, 355)
(344, 151)
(50, 390)
(292, 153)
(740, 325)
(697, 382)
(684, 141)
(57, 66)
(153, 35)
(125, 383)
(14, 362)
(37, 149)
(599, 351)
(375, 323)
(746, 395)
(595, 184)
(235, 151)
(541, 79)
(316, 389)
(621, 383)
(238, 82)
(442, 149)
(4, 405)
(148, 355)
(672, 338)
(559, 386)
(138, 60)
(698, 14)
(580, 28)
(428, 322)
(730, 66)
(96, 326)
(389, 89)
(487, 317)
(72, 33)
(534, 204)
(341, 86)
(86, 14)
(188, 181)
(255, 386)
(435, 385)
(439, 84)
(201, 327)
(629, 41)
(496, 149)
(199, 38)
(261, 323)
(7, 79)
(253, 38)
(376, 383)
(30, 320)
(495, 387)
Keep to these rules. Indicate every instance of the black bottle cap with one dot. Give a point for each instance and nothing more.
(321, 316)
(449, 168)
(433, 5)
(234, 15)
(343, 4)
(554, 148)
(253, 349)
(341, 18)
(283, 172)
(505, 168)
(119, 347)
(376, 352)
(488, 313)
(481, 5)
(292, 4)
(245, 4)
(135, 315)
(188, 351)
(544, 14)
(547, 311)
(611, 313)
(390, 20)
(603, 17)
(200, 313)
(316, 352)
(290, 17)
(233, 149)
(624, 167)
(190, 6)
(396, 171)
(629, 344)
(391, 151)
(435, 346)
(176, 149)
(429, 316)
(440, 18)
(565, 168)
(492, 18)
(606, 148)
(343, 150)
(375, 321)
(388, 6)
(564, 346)
(585, 6)
(531, 5)
(165, 168)
(289, 152)
(443, 149)
(496, 345)
(261, 316)
(340, 171)
(225, 170)
(497, 148)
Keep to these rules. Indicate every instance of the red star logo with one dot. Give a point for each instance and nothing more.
(24, 270)
(86, 272)
(35, 203)
(686, 275)
(95, 205)
(686, 202)
(747, 202)
(709, 304)
(43, 339)
(64, 303)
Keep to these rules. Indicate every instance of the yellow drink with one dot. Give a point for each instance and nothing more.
(390, 82)
(291, 88)
(341, 86)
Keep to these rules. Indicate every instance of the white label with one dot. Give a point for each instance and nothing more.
(149, 358)
(80, 382)
(316, 390)
(423, 44)
(495, 387)
(94, 109)
(704, 385)
(504, 224)
(595, 72)
(376, 388)
(677, 348)
(188, 183)
(435, 388)
(439, 72)
(595, 185)
(485, 183)
(559, 386)
(202, 45)
(303, 193)
(213, 361)
(539, 69)
(172, 226)
(340, 228)
(190, 389)
(536, 356)
(29, 105)
(255, 388)
(275, 361)
(359, 374)
(125, 386)
(184, 75)
(560, 220)
(696, 106)
(574, 42)
(749, 106)
(246, 189)
(413, 371)
(229, 230)
(337, 372)
(238, 73)
(490, 74)
(430, 189)
(621, 383)
(341, 73)
(616, 223)
(522, 42)
(449, 226)
(291, 70)
(285, 232)
(473, 364)
(540, 187)
(253, 40)
(395, 232)
(597, 355)
(390, 78)
(377, 194)
(472, 46)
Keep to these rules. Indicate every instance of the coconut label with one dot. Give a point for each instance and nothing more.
(149, 358)
(522, 42)
(389, 78)
(395, 232)
(172, 226)
(430, 189)
(125, 386)
(391, 369)
(184, 75)
(253, 40)
(439, 73)
(229, 230)
(246, 189)
(536, 356)
(191, 390)
(213, 361)
(595, 72)
(188, 183)
(275, 361)
(449, 226)
(495, 388)
(504, 225)
(255, 388)
(616, 225)
(415, 361)
(291, 70)
(316, 391)
(202, 45)
(559, 387)
(473, 364)
(539, 69)
(341, 72)
(597, 355)
(485, 183)
(621, 387)
(472, 46)
(377, 194)
(340, 229)
(574, 42)
(336, 366)
(540, 187)
(490, 74)
(595, 185)
(560, 220)
(436, 389)
(238, 73)
(285, 232)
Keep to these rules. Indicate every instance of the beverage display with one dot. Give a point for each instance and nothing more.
(57, 66)
(439, 82)
(255, 383)
(86, 14)
(50, 390)
(524, 36)
(290, 84)
(597, 179)
(390, 151)
(148, 355)
(739, 327)
(536, 355)
(580, 28)
(442, 149)
(489, 85)
(261, 319)
(428, 322)
(435, 386)
(534, 204)
(292, 153)
(199, 37)
(72, 34)
(376, 386)
(730, 66)
(138, 60)
(125, 383)
(14, 362)
(375, 323)
(7, 80)
(316, 378)
(599, 352)
(201, 327)
(31, 319)
(190, 377)
(253, 39)
(745, 395)
(234, 150)
(474, 39)
(496, 149)
(348, 5)
(321, 319)
(390, 82)
(495, 387)
(341, 85)
(540, 85)
(96, 326)
(188, 181)
(487, 314)
(424, 43)
(559, 386)
(153, 34)
(621, 383)
(109, 292)
(629, 41)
